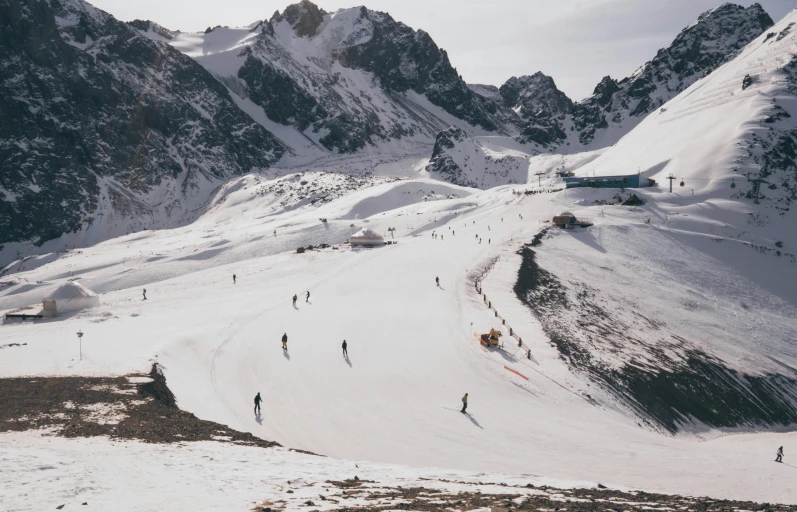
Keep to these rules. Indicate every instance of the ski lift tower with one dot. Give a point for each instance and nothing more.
(671, 178)
(757, 186)
(538, 174)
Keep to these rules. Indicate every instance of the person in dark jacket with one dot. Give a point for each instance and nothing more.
(145, 294)
(437, 280)
(294, 300)
(285, 341)
(345, 349)
(257, 403)
(307, 299)
(234, 279)
(779, 455)
(464, 402)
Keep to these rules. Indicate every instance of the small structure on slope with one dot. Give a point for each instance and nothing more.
(367, 238)
(69, 297)
(567, 220)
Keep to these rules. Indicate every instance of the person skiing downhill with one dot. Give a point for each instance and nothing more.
(234, 279)
(257, 403)
(285, 341)
(779, 455)
(464, 402)
(145, 294)
(437, 280)
(307, 299)
(294, 300)
(345, 349)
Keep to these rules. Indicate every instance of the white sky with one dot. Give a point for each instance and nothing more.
(577, 42)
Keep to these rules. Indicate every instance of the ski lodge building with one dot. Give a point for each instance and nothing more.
(627, 181)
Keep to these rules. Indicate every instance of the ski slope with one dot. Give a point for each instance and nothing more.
(412, 353)
(411, 345)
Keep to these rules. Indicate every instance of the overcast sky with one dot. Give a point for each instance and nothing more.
(577, 42)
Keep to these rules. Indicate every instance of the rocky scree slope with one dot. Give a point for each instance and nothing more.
(108, 124)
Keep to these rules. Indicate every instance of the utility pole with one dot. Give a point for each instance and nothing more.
(80, 339)
(671, 178)
(539, 178)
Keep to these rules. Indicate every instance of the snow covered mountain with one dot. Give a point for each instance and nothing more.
(552, 122)
(111, 131)
(344, 80)
(615, 107)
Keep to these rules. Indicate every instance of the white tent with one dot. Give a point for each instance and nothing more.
(366, 237)
(69, 297)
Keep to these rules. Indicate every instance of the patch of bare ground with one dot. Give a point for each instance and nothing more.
(354, 495)
(137, 407)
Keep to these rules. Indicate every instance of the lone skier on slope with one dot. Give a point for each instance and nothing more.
(234, 279)
(257, 403)
(464, 402)
(779, 456)
(294, 300)
(437, 280)
(345, 349)
(285, 341)
(307, 299)
(145, 294)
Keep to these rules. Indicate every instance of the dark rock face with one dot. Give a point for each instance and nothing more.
(697, 51)
(404, 59)
(103, 117)
(305, 18)
(441, 162)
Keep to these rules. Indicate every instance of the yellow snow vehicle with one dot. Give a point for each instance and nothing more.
(492, 339)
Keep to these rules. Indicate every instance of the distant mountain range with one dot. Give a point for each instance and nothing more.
(122, 126)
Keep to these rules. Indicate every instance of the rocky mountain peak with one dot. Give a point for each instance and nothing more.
(305, 17)
(534, 95)
(151, 27)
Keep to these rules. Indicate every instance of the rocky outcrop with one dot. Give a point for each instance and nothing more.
(107, 123)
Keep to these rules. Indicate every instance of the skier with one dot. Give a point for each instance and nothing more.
(257, 403)
(275, 233)
(779, 456)
(145, 294)
(307, 299)
(285, 341)
(489, 240)
(437, 280)
(234, 279)
(294, 300)
(464, 402)
(345, 349)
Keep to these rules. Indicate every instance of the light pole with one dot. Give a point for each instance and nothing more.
(80, 339)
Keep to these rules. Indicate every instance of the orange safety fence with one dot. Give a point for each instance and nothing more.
(515, 372)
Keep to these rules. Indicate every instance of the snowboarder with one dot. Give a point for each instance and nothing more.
(234, 279)
(307, 299)
(257, 403)
(345, 349)
(294, 300)
(285, 341)
(779, 456)
(464, 402)
(437, 280)
(145, 294)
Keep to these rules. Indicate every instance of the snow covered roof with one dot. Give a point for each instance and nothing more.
(566, 214)
(367, 233)
(70, 290)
